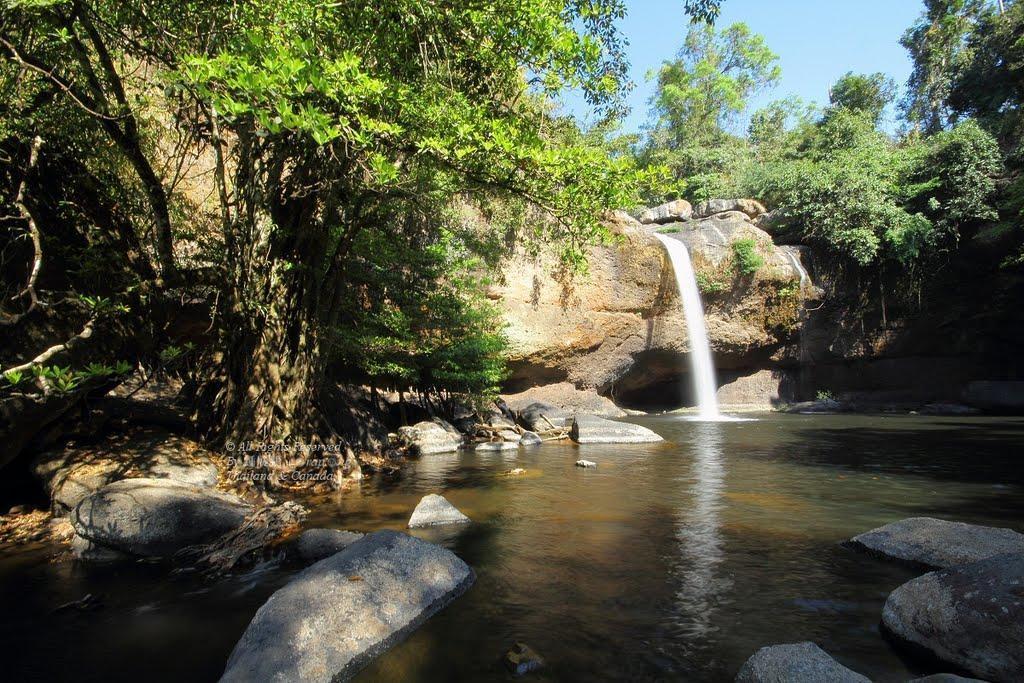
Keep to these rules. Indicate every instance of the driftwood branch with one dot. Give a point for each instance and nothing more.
(49, 353)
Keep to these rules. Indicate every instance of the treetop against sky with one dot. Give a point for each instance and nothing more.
(817, 42)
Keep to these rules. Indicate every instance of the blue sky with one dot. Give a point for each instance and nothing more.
(816, 40)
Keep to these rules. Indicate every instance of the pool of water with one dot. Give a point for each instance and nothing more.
(668, 561)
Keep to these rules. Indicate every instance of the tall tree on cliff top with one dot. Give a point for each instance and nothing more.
(699, 95)
(937, 46)
(866, 94)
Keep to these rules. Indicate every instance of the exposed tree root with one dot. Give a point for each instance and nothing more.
(251, 542)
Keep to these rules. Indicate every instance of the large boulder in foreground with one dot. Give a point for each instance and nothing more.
(431, 436)
(335, 616)
(72, 473)
(591, 429)
(795, 663)
(937, 544)
(970, 616)
(435, 510)
(156, 517)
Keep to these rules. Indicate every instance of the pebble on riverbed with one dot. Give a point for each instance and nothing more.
(521, 660)
(586, 463)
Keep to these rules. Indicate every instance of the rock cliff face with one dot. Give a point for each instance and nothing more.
(619, 330)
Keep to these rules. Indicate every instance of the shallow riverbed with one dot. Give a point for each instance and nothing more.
(668, 561)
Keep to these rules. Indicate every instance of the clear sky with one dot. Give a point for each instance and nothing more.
(816, 40)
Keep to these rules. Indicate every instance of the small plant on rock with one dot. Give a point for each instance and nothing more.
(746, 260)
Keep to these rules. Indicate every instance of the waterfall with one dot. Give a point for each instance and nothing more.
(702, 370)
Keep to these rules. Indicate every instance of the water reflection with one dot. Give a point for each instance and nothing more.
(435, 468)
(698, 532)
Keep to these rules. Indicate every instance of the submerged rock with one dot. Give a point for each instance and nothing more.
(434, 510)
(313, 545)
(521, 660)
(824, 405)
(946, 678)
(156, 517)
(431, 436)
(586, 463)
(970, 616)
(795, 663)
(71, 474)
(497, 446)
(936, 543)
(334, 617)
(591, 429)
(947, 409)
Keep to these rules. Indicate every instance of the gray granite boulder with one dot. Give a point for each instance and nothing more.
(72, 473)
(540, 416)
(669, 212)
(971, 617)
(156, 517)
(434, 510)
(313, 545)
(530, 439)
(334, 617)
(431, 436)
(750, 207)
(795, 663)
(591, 429)
(937, 544)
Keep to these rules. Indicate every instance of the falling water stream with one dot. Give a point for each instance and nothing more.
(703, 371)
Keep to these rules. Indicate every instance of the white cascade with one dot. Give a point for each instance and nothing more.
(702, 370)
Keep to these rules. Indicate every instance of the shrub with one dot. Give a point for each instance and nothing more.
(746, 260)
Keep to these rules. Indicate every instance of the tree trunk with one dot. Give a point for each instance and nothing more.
(274, 365)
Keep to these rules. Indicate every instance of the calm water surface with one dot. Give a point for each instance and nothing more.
(671, 561)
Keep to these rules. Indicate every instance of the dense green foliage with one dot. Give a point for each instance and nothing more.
(416, 316)
(835, 179)
(325, 147)
(865, 94)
